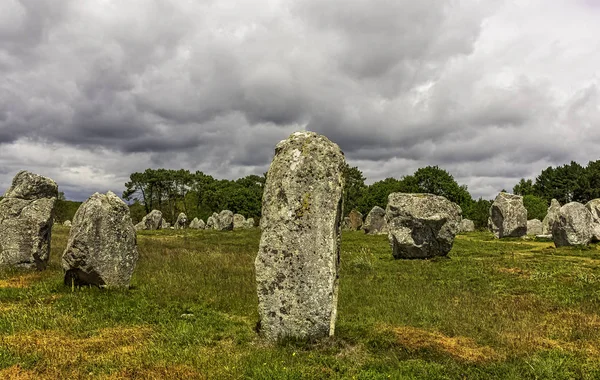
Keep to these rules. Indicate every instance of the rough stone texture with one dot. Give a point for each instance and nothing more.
(181, 221)
(239, 221)
(67, 223)
(421, 225)
(356, 220)
(593, 207)
(347, 224)
(26, 219)
(508, 216)
(197, 224)
(102, 248)
(375, 223)
(152, 221)
(573, 225)
(249, 223)
(534, 227)
(211, 222)
(467, 225)
(164, 225)
(550, 217)
(298, 258)
(224, 221)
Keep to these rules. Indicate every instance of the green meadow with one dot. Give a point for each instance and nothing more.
(510, 309)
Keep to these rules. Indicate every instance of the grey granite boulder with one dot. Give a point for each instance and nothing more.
(181, 222)
(421, 225)
(67, 223)
(152, 221)
(375, 222)
(508, 216)
(346, 224)
(534, 227)
(212, 221)
(298, 258)
(467, 225)
(197, 224)
(26, 219)
(101, 249)
(238, 221)
(249, 223)
(593, 207)
(356, 220)
(551, 217)
(224, 221)
(574, 225)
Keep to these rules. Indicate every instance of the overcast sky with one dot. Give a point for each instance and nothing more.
(490, 90)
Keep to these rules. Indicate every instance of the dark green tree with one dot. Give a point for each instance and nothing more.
(354, 188)
(537, 207)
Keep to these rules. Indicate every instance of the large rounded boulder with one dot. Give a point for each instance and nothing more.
(153, 221)
(101, 249)
(375, 223)
(573, 226)
(508, 216)
(26, 219)
(421, 225)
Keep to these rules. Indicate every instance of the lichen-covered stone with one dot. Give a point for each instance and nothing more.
(508, 216)
(238, 221)
(152, 221)
(346, 224)
(534, 227)
(298, 258)
(26, 219)
(181, 221)
(249, 223)
(211, 222)
(224, 221)
(375, 223)
(197, 224)
(101, 249)
(467, 225)
(421, 225)
(593, 207)
(356, 220)
(67, 223)
(573, 226)
(550, 217)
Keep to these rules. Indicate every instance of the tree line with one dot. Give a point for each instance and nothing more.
(199, 195)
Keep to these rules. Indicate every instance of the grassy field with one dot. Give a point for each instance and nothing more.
(493, 309)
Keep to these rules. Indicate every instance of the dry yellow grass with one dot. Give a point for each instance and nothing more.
(20, 281)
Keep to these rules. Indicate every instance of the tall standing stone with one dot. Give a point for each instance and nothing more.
(298, 258)
(26, 218)
(594, 208)
(224, 221)
(508, 216)
(551, 217)
(375, 223)
(573, 226)
(421, 225)
(101, 249)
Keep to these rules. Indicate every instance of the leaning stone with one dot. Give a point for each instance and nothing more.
(197, 224)
(573, 225)
(467, 225)
(375, 223)
(356, 220)
(421, 225)
(238, 221)
(298, 258)
(594, 208)
(551, 216)
(26, 219)
(101, 249)
(225, 221)
(534, 227)
(508, 216)
(181, 221)
(67, 223)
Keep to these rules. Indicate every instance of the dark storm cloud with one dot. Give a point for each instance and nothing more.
(108, 88)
